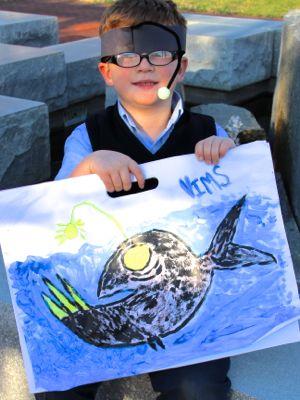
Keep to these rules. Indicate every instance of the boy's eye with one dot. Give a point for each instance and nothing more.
(162, 57)
(128, 60)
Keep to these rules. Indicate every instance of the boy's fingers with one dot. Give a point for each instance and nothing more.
(225, 146)
(125, 178)
(215, 151)
(207, 149)
(137, 172)
(106, 179)
(213, 148)
(116, 180)
(199, 150)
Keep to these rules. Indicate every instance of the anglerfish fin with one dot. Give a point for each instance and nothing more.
(61, 305)
(243, 256)
(227, 254)
(156, 341)
(227, 228)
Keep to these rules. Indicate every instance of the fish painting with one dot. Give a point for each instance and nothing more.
(151, 286)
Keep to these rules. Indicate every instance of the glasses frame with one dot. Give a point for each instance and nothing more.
(114, 60)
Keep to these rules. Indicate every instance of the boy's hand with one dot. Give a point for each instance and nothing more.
(113, 168)
(213, 148)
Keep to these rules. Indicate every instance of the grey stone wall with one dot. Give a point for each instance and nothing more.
(34, 74)
(229, 53)
(24, 138)
(285, 124)
(28, 29)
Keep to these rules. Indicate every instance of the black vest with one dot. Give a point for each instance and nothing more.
(107, 131)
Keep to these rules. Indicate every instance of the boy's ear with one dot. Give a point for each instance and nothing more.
(105, 72)
(183, 68)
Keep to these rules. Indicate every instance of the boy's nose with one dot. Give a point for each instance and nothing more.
(144, 64)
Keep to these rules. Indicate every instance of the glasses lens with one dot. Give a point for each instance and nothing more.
(128, 60)
(159, 58)
(162, 57)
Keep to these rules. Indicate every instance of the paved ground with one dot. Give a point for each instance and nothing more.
(76, 21)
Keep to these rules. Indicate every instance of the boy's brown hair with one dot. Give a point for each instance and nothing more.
(127, 13)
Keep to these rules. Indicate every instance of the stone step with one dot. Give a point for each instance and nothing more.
(83, 77)
(24, 138)
(33, 73)
(227, 53)
(70, 70)
(28, 29)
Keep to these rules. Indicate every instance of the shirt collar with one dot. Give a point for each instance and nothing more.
(153, 146)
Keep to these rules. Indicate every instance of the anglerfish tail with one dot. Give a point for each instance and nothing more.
(227, 254)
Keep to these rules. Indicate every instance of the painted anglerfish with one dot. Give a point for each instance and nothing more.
(151, 286)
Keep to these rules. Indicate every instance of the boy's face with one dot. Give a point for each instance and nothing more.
(138, 86)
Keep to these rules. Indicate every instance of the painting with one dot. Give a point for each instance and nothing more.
(193, 270)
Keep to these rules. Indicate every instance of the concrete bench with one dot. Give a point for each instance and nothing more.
(227, 54)
(83, 78)
(33, 73)
(28, 29)
(69, 70)
(24, 138)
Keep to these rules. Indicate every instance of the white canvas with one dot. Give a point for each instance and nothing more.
(197, 269)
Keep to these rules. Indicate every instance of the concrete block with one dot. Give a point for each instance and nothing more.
(28, 29)
(269, 374)
(237, 121)
(285, 119)
(4, 290)
(229, 53)
(83, 78)
(24, 138)
(12, 372)
(276, 50)
(291, 228)
(34, 74)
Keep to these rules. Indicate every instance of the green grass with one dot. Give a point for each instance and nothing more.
(245, 8)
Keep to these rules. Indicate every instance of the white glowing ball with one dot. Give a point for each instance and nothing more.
(163, 93)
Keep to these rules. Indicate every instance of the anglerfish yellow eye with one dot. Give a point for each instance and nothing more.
(137, 257)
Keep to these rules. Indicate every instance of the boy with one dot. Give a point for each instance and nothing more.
(142, 50)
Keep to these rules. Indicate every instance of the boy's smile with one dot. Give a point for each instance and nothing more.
(145, 83)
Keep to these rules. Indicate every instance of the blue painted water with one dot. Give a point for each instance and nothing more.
(242, 305)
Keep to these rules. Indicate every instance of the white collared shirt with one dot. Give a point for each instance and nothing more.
(154, 145)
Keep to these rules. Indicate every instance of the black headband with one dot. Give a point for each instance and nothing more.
(143, 38)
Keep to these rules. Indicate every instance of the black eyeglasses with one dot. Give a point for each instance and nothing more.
(157, 58)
